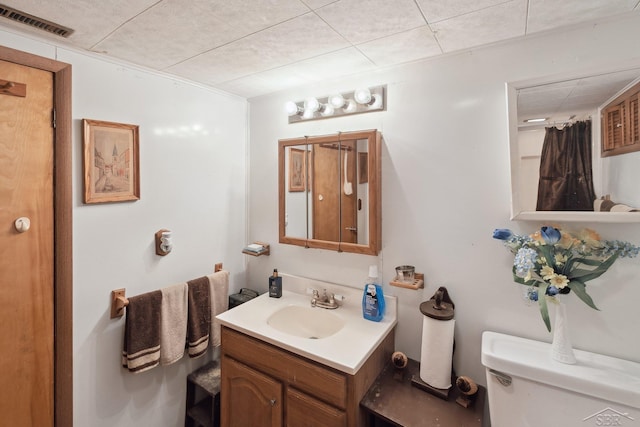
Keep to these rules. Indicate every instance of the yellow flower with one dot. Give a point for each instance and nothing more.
(547, 272)
(590, 238)
(566, 240)
(537, 237)
(558, 280)
(560, 259)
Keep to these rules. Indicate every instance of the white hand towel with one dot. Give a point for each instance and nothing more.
(219, 282)
(173, 331)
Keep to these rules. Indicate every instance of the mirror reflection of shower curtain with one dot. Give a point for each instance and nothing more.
(566, 182)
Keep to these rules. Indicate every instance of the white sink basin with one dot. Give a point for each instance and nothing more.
(306, 322)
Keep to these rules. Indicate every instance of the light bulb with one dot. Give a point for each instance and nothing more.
(308, 114)
(336, 101)
(311, 104)
(350, 106)
(326, 110)
(362, 96)
(291, 108)
(376, 102)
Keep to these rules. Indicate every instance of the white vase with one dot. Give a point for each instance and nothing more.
(561, 349)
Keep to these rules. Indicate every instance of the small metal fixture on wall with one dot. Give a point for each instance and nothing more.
(362, 100)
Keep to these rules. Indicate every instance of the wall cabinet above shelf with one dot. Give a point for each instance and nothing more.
(621, 123)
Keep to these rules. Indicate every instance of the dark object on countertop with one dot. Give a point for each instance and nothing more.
(399, 361)
(275, 285)
(468, 389)
(243, 296)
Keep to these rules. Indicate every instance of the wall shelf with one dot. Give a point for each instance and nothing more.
(265, 251)
(418, 282)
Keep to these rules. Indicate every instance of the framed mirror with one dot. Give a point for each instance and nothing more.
(561, 102)
(329, 191)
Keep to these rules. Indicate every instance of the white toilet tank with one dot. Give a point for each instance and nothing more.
(525, 387)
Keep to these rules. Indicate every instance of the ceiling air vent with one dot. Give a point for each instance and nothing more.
(33, 21)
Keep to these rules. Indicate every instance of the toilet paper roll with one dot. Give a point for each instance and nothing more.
(437, 352)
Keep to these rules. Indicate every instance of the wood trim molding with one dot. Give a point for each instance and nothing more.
(63, 274)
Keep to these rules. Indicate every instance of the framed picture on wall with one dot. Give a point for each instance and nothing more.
(297, 170)
(363, 168)
(111, 162)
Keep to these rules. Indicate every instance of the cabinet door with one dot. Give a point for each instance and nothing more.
(614, 127)
(633, 113)
(248, 397)
(304, 410)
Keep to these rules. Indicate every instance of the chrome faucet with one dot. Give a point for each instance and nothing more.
(327, 300)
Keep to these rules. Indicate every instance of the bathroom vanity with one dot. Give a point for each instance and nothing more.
(275, 375)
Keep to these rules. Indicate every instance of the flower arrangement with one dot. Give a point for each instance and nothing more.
(552, 261)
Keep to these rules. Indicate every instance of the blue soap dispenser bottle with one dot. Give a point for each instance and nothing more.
(373, 297)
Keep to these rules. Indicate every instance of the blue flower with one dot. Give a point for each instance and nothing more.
(552, 290)
(502, 233)
(550, 235)
(524, 261)
(532, 294)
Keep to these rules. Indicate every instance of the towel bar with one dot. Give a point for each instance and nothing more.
(119, 301)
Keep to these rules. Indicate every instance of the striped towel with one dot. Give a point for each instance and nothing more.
(141, 349)
(198, 316)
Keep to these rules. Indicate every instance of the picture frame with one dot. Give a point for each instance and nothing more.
(363, 168)
(111, 162)
(297, 170)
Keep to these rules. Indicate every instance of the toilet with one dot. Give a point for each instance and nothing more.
(526, 387)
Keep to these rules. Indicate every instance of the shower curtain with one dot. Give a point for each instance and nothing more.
(566, 182)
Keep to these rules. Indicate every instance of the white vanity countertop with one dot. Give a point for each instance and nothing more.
(346, 350)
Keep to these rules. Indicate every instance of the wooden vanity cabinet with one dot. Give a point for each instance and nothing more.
(264, 385)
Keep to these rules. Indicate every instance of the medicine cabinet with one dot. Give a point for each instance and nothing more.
(329, 191)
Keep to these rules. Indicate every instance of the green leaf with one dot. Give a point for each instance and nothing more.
(580, 289)
(597, 272)
(589, 261)
(542, 303)
(548, 255)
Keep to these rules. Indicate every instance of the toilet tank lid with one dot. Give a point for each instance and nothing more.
(596, 375)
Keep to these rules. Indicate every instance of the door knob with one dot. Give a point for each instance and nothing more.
(351, 228)
(22, 224)
(273, 402)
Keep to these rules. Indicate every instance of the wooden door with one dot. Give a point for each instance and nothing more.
(248, 397)
(334, 211)
(26, 258)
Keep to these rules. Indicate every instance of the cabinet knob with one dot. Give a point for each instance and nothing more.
(273, 402)
(22, 224)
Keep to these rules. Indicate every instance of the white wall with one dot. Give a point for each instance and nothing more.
(193, 155)
(445, 175)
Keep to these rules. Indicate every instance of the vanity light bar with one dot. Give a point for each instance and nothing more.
(363, 100)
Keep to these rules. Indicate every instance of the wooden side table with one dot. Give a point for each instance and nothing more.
(395, 402)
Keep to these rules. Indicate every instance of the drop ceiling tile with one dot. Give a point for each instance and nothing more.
(294, 40)
(317, 4)
(331, 65)
(335, 64)
(175, 30)
(402, 47)
(548, 14)
(254, 15)
(360, 21)
(504, 21)
(91, 20)
(438, 10)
